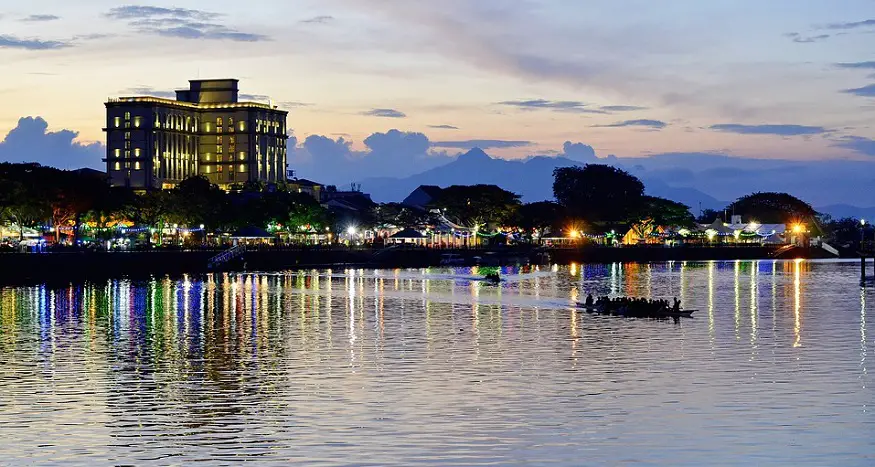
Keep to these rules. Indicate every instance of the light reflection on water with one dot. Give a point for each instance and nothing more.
(431, 366)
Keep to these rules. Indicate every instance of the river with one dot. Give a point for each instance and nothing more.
(413, 367)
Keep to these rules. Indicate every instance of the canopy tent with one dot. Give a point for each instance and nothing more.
(13, 232)
(252, 235)
(719, 227)
(408, 236)
(774, 239)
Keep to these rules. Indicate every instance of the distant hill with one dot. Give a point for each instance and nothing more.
(838, 211)
(531, 178)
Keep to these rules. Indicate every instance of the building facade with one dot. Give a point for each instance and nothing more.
(154, 143)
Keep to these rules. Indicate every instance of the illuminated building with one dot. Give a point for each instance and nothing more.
(154, 143)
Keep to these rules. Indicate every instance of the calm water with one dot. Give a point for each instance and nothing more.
(428, 367)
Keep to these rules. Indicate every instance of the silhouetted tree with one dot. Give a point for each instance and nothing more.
(541, 217)
(197, 201)
(399, 215)
(772, 208)
(599, 193)
(666, 212)
(846, 232)
(708, 216)
(477, 206)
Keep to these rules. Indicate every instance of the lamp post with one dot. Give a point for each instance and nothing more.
(862, 231)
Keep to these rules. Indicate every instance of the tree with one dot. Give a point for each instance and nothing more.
(198, 202)
(19, 204)
(540, 217)
(70, 195)
(666, 212)
(399, 215)
(476, 206)
(598, 193)
(708, 216)
(155, 208)
(772, 208)
(113, 206)
(846, 232)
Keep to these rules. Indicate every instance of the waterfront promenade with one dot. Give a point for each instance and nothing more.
(72, 265)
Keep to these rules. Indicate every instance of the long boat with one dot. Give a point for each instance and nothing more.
(654, 313)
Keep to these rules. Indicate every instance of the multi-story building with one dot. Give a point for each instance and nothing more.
(154, 143)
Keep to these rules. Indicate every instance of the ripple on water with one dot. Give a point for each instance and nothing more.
(409, 367)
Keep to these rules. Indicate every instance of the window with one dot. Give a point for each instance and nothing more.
(127, 145)
(242, 155)
(242, 126)
(137, 152)
(242, 168)
(118, 166)
(127, 135)
(219, 169)
(232, 140)
(127, 115)
(137, 122)
(137, 165)
(208, 156)
(219, 140)
(219, 121)
(231, 123)
(127, 154)
(117, 122)
(208, 169)
(218, 149)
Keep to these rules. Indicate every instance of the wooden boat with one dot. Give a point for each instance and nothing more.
(491, 279)
(655, 313)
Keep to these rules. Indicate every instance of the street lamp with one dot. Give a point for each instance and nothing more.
(862, 231)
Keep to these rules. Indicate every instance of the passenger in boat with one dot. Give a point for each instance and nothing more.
(677, 306)
(589, 301)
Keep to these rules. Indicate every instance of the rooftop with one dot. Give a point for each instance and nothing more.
(189, 105)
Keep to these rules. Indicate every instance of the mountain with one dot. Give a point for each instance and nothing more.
(531, 178)
(838, 211)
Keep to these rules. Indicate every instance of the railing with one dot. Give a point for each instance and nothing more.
(226, 256)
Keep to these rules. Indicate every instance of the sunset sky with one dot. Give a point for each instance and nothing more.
(778, 79)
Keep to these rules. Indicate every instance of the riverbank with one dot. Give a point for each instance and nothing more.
(74, 266)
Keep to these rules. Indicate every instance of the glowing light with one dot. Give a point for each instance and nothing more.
(862, 221)
(351, 230)
(711, 233)
(797, 228)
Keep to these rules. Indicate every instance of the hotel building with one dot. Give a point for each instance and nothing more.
(154, 143)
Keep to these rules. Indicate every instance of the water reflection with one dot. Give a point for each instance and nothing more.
(415, 366)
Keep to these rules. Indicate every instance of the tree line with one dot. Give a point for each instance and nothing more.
(593, 198)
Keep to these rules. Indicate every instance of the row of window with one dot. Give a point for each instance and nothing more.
(220, 168)
(127, 165)
(220, 157)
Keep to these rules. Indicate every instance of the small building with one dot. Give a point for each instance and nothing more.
(408, 237)
(308, 187)
(252, 236)
(423, 196)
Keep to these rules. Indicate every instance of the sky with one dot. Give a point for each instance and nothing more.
(412, 83)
